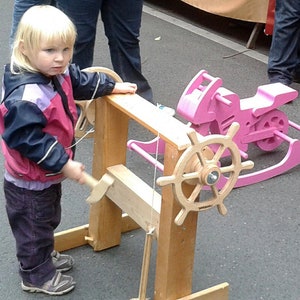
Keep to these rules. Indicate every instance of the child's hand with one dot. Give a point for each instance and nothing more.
(124, 88)
(74, 170)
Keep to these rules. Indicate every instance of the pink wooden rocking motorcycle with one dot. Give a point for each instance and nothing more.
(211, 109)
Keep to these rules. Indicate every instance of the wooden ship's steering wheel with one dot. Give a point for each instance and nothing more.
(200, 166)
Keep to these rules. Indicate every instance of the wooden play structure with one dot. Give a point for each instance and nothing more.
(127, 202)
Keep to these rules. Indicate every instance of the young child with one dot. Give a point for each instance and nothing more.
(37, 119)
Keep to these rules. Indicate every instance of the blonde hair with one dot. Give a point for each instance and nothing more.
(40, 23)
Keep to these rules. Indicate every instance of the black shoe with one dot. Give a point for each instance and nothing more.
(296, 78)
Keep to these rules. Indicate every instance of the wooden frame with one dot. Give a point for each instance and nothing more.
(175, 244)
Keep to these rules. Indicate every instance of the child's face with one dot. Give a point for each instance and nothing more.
(51, 59)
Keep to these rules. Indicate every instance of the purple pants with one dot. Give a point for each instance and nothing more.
(33, 217)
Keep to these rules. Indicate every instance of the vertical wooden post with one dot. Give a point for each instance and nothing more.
(110, 138)
(175, 252)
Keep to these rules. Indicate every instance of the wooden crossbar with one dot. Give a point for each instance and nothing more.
(130, 193)
(79, 236)
(217, 292)
(135, 197)
(151, 117)
(71, 238)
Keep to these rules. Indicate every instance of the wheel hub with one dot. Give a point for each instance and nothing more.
(212, 177)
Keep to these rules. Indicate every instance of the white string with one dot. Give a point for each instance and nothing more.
(148, 240)
(96, 88)
(79, 140)
(151, 230)
(92, 129)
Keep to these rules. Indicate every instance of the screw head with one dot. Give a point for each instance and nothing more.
(212, 177)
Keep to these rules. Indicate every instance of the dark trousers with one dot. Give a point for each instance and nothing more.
(33, 216)
(122, 22)
(284, 55)
(20, 6)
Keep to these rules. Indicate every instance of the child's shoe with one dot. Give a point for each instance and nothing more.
(62, 262)
(58, 285)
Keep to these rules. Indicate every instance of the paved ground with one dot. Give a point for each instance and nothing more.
(255, 248)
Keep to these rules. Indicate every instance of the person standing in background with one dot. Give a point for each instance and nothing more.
(20, 6)
(122, 23)
(284, 56)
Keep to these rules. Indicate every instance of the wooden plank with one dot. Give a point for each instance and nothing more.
(135, 197)
(217, 292)
(128, 224)
(176, 244)
(71, 238)
(151, 117)
(110, 144)
(79, 236)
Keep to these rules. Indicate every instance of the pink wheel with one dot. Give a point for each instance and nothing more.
(273, 120)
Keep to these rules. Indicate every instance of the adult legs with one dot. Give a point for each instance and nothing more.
(122, 22)
(285, 47)
(297, 68)
(84, 15)
(20, 6)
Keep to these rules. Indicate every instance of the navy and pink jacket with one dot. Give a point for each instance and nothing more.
(35, 127)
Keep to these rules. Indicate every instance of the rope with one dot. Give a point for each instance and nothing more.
(79, 140)
(149, 236)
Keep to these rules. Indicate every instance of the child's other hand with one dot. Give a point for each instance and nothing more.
(74, 170)
(124, 88)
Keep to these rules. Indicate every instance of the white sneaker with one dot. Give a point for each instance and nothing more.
(168, 110)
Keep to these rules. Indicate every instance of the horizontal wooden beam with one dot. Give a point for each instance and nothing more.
(71, 238)
(151, 117)
(128, 224)
(79, 236)
(135, 197)
(217, 292)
